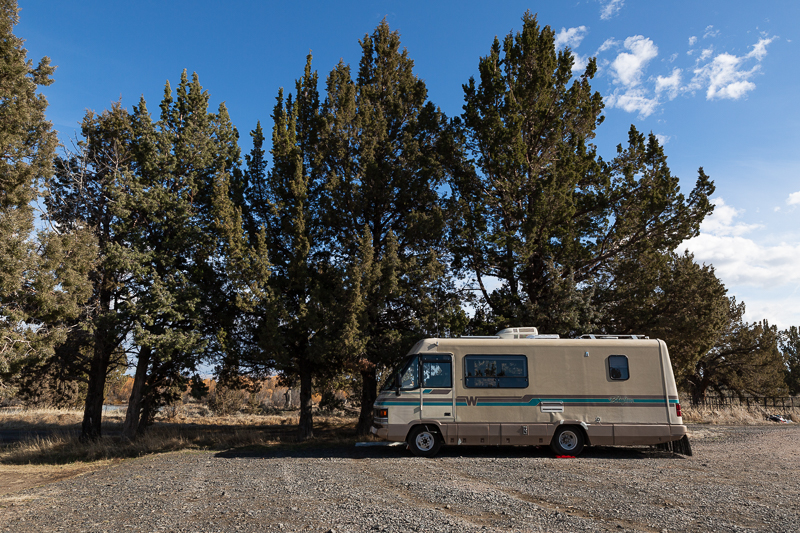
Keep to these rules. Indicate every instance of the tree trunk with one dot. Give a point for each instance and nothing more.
(91, 427)
(369, 393)
(306, 425)
(148, 413)
(132, 416)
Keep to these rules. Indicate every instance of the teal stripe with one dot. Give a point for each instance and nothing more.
(574, 401)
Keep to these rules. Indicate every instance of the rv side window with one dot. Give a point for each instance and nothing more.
(618, 367)
(496, 371)
(409, 375)
(436, 371)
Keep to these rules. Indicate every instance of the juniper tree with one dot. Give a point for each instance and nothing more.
(542, 212)
(669, 297)
(745, 360)
(790, 348)
(42, 275)
(184, 200)
(387, 151)
(295, 331)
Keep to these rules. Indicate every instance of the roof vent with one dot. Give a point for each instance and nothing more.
(517, 333)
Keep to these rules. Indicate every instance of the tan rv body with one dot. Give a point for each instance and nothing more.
(569, 383)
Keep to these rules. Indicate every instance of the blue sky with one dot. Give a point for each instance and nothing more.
(716, 80)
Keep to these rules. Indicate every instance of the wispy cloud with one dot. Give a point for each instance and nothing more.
(571, 37)
(710, 32)
(692, 40)
(610, 8)
(669, 84)
(726, 76)
(794, 199)
(722, 222)
(607, 45)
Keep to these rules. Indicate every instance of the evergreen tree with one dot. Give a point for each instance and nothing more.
(81, 195)
(745, 360)
(42, 276)
(669, 297)
(387, 152)
(183, 202)
(543, 213)
(790, 348)
(295, 331)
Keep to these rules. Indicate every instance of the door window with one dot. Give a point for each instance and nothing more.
(437, 372)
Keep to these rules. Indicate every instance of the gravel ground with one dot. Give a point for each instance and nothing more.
(739, 479)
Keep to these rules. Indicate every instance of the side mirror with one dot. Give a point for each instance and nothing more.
(397, 384)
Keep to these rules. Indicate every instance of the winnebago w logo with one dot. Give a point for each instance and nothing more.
(472, 400)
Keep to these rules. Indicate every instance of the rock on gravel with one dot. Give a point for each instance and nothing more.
(740, 479)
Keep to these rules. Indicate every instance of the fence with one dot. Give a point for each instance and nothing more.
(768, 403)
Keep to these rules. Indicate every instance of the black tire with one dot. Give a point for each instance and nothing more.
(567, 440)
(424, 442)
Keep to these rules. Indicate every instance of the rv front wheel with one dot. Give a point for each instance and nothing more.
(568, 440)
(424, 442)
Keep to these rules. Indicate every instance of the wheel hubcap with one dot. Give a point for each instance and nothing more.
(424, 441)
(568, 440)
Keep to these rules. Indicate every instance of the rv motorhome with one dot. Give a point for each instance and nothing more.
(522, 388)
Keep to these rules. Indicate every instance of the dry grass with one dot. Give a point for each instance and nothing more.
(729, 416)
(187, 432)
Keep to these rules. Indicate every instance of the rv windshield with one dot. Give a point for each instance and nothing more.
(409, 375)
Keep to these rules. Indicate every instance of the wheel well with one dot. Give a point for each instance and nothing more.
(579, 427)
(433, 428)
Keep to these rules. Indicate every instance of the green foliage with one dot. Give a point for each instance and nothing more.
(387, 153)
(543, 213)
(669, 297)
(43, 280)
(790, 348)
(744, 360)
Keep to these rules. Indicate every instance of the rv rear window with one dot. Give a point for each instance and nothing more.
(496, 371)
(618, 367)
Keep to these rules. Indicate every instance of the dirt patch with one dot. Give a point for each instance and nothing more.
(16, 478)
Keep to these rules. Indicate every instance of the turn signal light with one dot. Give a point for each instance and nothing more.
(384, 413)
(678, 409)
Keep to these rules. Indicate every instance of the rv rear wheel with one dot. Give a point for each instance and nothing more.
(568, 440)
(424, 442)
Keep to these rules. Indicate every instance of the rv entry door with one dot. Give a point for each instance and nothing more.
(436, 393)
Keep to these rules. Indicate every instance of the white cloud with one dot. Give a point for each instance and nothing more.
(633, 100)
(794, 198)
(760, 48)
(725, 76)
(607, 44)
(721, 221)
(710, 32)
(571, 37)
(692, 40)
(628, 67)
(705, 54)
(738, 259)
(610, 8)
(662, 139)
(580, 63)
(669, 84)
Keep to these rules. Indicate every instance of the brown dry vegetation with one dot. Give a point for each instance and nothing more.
(730, 416)
(191, 428)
